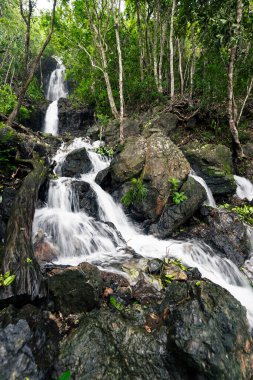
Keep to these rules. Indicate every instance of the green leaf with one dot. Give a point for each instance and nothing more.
(66, 375)
(197, 283)
(9, 280)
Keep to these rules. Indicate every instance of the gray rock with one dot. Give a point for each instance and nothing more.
(76, 290)
(16, 358)
(214, 164)
(87, 198)
(174, 215)
(76, 163)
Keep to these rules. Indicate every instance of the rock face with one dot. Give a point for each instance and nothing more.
(8, 196)
(197, 332)
(155, 160)
(214, 164)
(223, 231)
(87, 198)
(174, 216)
(207, 333)
(76, 290)
(77, 162)
(74, 121)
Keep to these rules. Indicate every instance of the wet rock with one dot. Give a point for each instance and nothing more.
(112, 279)
(72, 120)
(108, 346)
(76, 290)
(161, 122)
(101, 176)
(87, 198)
(76, 163)
(16, 357)
(155, 266)
(214, 164)
(224, 232)
(44, 251)
(146, 293)
(41, 341)
(8, 196)
(174, 216)
(208, 334)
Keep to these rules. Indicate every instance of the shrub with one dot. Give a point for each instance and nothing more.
(135, 194)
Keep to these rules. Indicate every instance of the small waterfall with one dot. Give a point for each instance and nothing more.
(56, 90)
(79, 237)
(244, 188)
(210, 199)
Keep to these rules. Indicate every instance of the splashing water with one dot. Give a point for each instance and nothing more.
(210, 199)
(56, 90)
(244, 188)
(82, 238)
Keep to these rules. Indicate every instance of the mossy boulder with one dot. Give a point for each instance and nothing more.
(214, 164)
(174, 215)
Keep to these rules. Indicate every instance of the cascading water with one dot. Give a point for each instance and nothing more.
(210, 199)
(244, 188)
(82, 238)
(56, 90)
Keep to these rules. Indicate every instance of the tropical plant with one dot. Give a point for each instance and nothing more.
(135, 194)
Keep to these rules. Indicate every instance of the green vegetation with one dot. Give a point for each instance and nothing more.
(245, 213)
(6, 279)
(177, 196)
(135, 194)
(105, 151)
(6, 152)
(65, 376)
(115, 304)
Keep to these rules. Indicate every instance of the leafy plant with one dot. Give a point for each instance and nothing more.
(66, 375)
(105, 151)
(6, 279)
(177, 197)
(6, 152)
(244, 213)
(135, 194)
(117, 305)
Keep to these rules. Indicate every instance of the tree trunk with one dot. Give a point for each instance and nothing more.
(155, 50)
(140, 39)
(180, 66)
(31, 71)
(19, 246)
(193, 64)
(232, 117)
(121, 90)
(172, 76)
(162, 43)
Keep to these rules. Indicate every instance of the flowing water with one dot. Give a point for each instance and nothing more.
(56, 90)
(244, 188)
(82, 238)
(210, 199)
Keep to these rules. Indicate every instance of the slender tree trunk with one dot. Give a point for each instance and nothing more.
(8, 71)
(172, 76)
(155, 49)
(31, 71)
(180, 66)
(193, 63)
(162, 44)
(121, 90)
(140, 39)
(231, 108)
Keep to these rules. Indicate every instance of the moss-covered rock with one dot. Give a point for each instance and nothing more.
(214, 164)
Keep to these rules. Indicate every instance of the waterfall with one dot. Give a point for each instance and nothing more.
(56, 90)
(244, 188)
(210, 199)
(80, 237)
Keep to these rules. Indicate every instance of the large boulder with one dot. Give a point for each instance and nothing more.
(155, 160)
(72, 120)
(224, 232)
(175, 215)
(214, 164)
(198, 331)
(87, 198)
(76, 289)
(76, 163)
(208, 336)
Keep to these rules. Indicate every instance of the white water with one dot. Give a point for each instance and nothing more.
(56, 90)
(210, 199)
(82, 238)
(244, 188)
